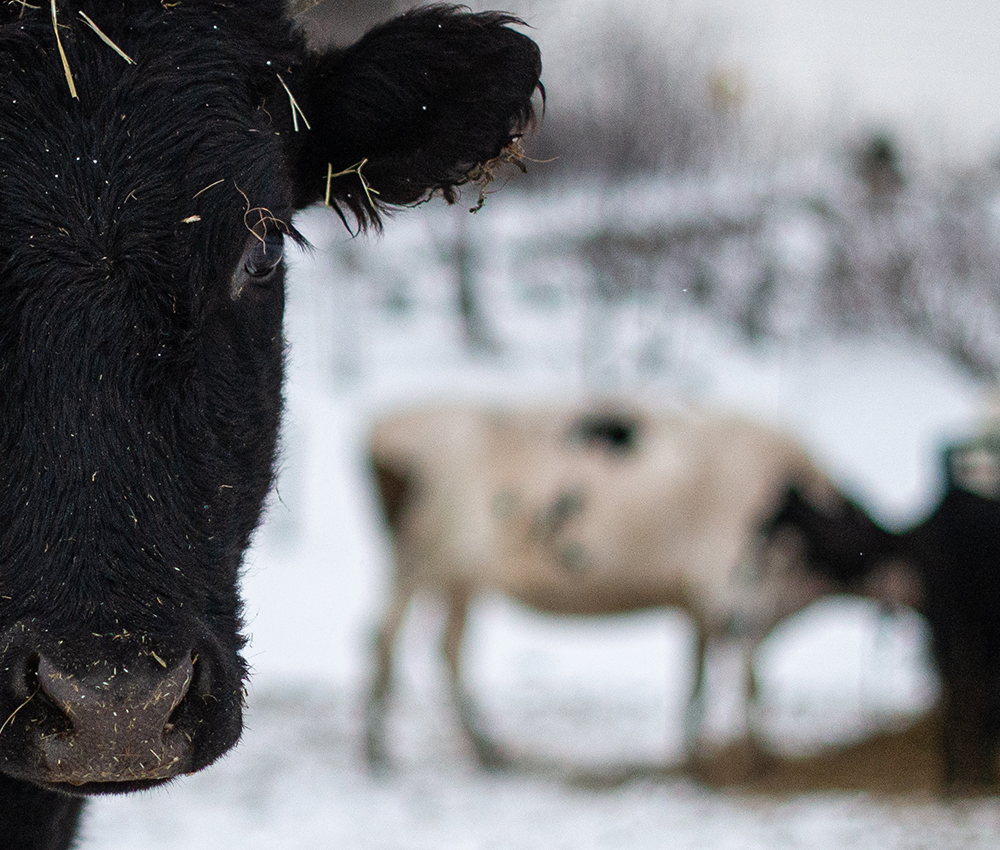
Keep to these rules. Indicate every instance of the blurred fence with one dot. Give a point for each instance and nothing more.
(811, 251)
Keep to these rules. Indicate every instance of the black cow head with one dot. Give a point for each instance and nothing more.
(152, 156)
(839, 540)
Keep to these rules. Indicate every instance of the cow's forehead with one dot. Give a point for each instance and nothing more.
(151, 158)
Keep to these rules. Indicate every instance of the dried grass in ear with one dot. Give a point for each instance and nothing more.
(482, 175)
(485, 174)
(354, 169)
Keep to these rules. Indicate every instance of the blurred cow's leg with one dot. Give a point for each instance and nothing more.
(694, 716)
(487, 752)
(385, 644)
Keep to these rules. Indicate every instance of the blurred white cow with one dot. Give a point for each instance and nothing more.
(590, 512)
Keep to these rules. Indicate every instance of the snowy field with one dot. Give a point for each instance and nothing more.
(591, 710)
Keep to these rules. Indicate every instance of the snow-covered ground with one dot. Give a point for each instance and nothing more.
(565, 696)
(591, 696)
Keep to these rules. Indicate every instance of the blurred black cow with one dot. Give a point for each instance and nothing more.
(152, 156)
(956, 551)
(948, 568)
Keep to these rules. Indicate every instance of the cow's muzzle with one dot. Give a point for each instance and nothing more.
(116, 726)
(109, 714)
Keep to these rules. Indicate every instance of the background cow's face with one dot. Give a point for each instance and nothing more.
(141, 293)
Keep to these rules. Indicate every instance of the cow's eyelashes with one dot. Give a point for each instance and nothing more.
(264, 254)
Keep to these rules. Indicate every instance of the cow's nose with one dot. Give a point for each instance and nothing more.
(115, 724)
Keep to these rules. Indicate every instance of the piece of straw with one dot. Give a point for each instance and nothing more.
(62, 54)
(24, 4)
(296, 109)
(105, 39)
(354, 169)
(209, 186)
(16, 710)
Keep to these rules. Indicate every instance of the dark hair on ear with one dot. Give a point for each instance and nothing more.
(421, 105)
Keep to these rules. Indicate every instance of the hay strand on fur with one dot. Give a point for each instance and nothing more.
(209, 186)
(354, 169)
(16, 710)
(296, 109)
(105, 39)
(24, 4)
(62, 54)
(264, 217)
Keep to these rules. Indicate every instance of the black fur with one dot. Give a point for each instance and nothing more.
(954, 555)
(140, 336)
(616, 433)
(957, 553)
(840, 541)
(34, 818)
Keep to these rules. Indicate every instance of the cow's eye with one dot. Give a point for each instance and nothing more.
(264, 254)
(261, 259)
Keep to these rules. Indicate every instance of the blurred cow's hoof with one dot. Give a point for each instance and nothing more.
(490, 755)
(376, 757)
(377, 762)
(736, 763)
(963, 788)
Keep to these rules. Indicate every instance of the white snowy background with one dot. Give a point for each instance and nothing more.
(583, 695)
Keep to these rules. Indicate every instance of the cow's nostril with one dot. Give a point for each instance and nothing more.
(46, 706)
(22, 677)
(26, 685)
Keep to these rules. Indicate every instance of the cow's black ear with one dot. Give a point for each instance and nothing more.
(416, 106)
